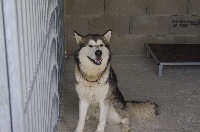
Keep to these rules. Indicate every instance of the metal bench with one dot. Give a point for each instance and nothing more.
(173, 54)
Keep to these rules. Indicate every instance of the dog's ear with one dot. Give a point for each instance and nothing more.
(78, 37)
(107, 35)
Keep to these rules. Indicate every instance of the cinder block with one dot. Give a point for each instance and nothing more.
(193, 39)
(185, 25)
(70, 46)
(84, 7)
(193, 7)
(125, 7)
(127, 45)
(150, 25)
(167, 7)
(120, 45)
(78, 24)
(169, 39)
(119, 25)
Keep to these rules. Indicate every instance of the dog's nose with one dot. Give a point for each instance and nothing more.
(98, 53)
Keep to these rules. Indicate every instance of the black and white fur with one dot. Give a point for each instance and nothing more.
(96, 85)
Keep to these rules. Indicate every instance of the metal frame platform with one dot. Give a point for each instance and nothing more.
(173, 54)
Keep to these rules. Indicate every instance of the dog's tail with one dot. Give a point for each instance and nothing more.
(142, 110)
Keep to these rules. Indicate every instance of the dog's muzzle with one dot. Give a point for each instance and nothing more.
(98, 60)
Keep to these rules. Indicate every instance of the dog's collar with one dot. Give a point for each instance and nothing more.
(92, 81)
(86, 77)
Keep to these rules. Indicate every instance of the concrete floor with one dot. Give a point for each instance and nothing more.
(177, 93)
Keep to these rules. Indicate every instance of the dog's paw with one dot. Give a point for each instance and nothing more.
(125, 129)
(78, 131)
(87, 117)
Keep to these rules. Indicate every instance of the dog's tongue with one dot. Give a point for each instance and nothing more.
(98, 60)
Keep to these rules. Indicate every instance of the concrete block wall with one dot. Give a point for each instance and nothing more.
(134, 22)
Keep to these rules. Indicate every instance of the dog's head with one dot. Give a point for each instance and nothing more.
(94, 48)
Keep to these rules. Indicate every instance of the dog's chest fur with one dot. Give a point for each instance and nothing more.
(92, 91)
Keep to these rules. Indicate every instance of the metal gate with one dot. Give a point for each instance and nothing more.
(31, 64)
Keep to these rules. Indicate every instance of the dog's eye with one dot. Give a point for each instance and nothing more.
(90, 46)
(101, 45)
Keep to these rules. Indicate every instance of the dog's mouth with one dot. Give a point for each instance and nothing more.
(96, 61)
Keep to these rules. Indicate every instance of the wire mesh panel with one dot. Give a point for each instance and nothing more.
(35, 60)
(5, 119)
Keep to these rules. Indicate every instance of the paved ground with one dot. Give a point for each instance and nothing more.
(177, 93)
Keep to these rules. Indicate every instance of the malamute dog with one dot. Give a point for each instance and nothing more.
(96, 85)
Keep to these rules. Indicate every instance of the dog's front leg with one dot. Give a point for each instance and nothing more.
(83, 106)
(104, 106)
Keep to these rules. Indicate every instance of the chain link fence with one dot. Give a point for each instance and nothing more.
(32, 64)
